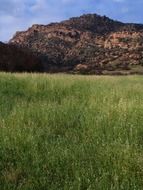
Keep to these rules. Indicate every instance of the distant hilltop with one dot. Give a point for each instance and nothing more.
(89, 44)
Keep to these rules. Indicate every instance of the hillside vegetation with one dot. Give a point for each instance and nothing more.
(18, 59)
(61, 132)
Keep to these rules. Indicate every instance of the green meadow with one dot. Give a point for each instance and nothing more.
(69, 132)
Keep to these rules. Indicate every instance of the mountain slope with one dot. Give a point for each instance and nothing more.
(13, 58)
(88, 44)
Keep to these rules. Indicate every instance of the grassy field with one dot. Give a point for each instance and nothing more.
(64, 132)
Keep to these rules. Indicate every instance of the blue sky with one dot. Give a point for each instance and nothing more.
(17, 15)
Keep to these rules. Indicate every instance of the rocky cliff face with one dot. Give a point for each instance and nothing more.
(88, 44)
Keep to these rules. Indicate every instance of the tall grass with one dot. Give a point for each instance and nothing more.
(61, 132)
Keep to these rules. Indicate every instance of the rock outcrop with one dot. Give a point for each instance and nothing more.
(90, 44)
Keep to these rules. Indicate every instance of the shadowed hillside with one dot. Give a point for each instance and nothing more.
(13, 58)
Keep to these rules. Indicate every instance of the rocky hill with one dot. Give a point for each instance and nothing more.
(90, 44)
